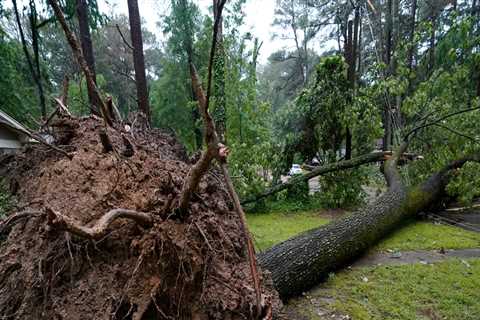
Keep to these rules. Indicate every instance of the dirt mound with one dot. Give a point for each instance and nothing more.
(172, 269)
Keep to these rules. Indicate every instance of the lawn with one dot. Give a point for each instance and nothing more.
(444, 290)
(271, 228)
(422, 235)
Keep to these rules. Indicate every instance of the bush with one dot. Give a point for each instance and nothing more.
(342, 189)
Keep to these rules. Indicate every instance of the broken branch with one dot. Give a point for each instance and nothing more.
(246, 234)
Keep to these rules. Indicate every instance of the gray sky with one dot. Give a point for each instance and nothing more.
(259, 15)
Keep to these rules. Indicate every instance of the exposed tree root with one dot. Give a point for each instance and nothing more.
(99, 230)
(11, 220)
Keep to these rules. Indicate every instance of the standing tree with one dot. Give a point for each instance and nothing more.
(87, 48)
(138, 58)
(35, 71)
(220, 112)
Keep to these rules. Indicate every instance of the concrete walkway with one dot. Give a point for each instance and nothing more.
(417, 256)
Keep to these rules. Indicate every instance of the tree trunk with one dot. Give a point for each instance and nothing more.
(36, 77)
(138, 58)
(220, 112)
(78, 54)
(303, 261)
(87, 48)
(387, 117)
(411, 50)
(36, 57)
(350, 58)
(431, 60)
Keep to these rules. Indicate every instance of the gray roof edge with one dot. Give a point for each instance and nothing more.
(11, 122)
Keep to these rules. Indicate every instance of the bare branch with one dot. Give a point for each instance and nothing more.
(437, 121)
(62, 106)
(458, 133)
(99, 230)
(123, 37)
(246, 234)
(201, 167)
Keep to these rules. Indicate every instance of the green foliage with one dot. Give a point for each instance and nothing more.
(78, 102)
(315, 126)
(445, 93)
(17, 89)
(342, 189)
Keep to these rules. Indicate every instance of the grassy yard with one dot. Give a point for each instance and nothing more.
(444, 290)
(271, 228)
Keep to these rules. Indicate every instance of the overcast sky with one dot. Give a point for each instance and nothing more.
(259, 15)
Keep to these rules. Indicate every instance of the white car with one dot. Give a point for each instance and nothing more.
(295, 169)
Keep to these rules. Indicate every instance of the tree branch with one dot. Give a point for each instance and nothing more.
(248, 239)
(458, 133)
(123, 37)
(337, 166)
(436, 121)
(200, 168)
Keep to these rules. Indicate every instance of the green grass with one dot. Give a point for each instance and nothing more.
(428, 236)
(444, 290)
(447, 290)
(271, 228)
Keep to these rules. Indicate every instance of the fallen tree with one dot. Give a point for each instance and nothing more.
(317, 171)
(303, 261)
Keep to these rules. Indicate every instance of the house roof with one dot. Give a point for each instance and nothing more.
(8, 121)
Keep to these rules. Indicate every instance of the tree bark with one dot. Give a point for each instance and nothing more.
(138, 58)
(387, 117)
(220, 112)
(411, 50)
(350, 58)
(303, 261)
(431, 59)
(36, 76)
(87, 48)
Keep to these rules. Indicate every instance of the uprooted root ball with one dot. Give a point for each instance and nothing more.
(173, 269)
